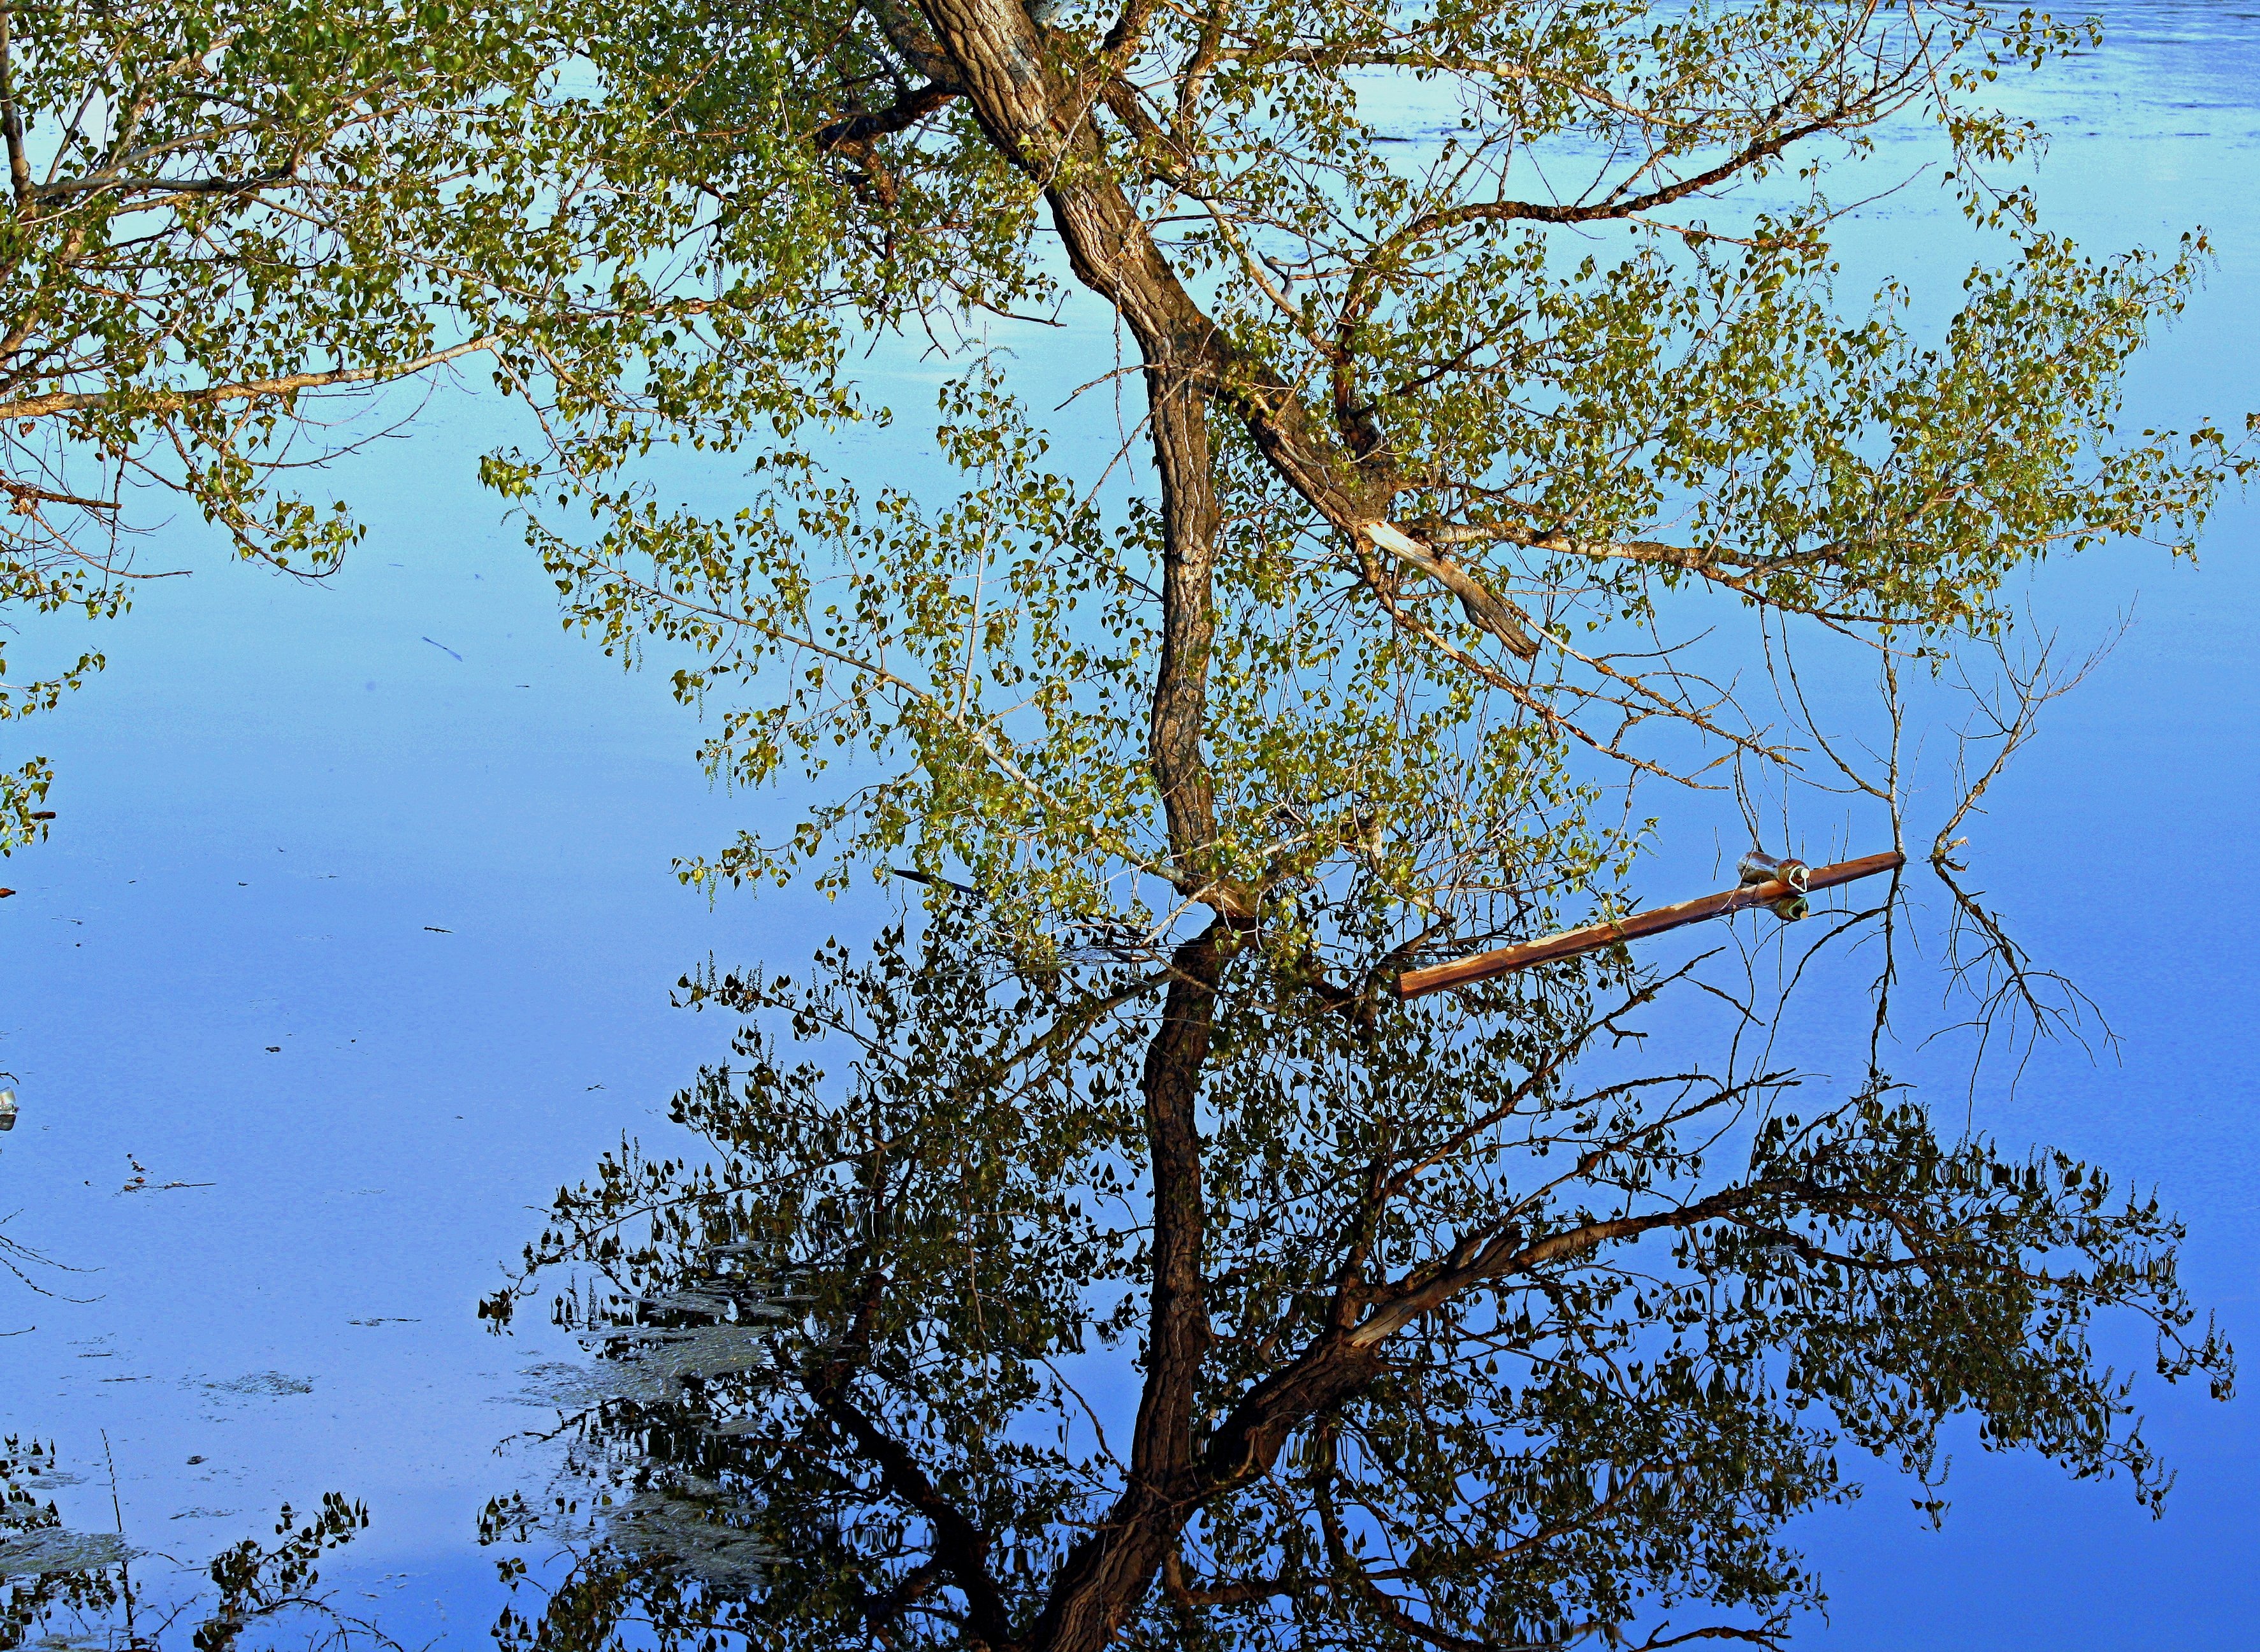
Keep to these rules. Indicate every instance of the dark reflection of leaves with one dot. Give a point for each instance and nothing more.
(646, 1429)
(898, 1328)
(78, 1590)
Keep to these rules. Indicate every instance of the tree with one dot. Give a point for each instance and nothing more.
(229, 222)
(1438, 468)
(1413, 443)
(1489, 354)
(78, 1589)
(1493, 1351)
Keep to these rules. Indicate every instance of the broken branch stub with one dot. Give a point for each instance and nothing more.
(1484, 606)
(1782, 895)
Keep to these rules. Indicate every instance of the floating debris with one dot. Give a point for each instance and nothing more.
(265, 1383)
(140, 1181)
(36, 1554)
(666, 1360)
(7, 1110)
(685, 1528)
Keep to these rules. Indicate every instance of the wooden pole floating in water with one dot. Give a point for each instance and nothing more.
(1593, 937)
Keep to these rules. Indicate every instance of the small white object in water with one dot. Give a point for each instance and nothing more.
(7, 1110)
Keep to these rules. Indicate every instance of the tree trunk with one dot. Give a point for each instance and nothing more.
(1033, 115)
(1107, 1575)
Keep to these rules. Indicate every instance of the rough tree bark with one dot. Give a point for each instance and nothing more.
(1043, 123)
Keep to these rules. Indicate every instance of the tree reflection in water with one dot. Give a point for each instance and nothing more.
(62, 1588)
(1482, 1351)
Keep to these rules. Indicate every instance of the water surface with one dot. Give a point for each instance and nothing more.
(357, 935)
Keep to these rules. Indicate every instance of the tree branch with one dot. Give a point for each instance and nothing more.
(248, 391)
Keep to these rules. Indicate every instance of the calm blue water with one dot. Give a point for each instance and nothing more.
(358, 919)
